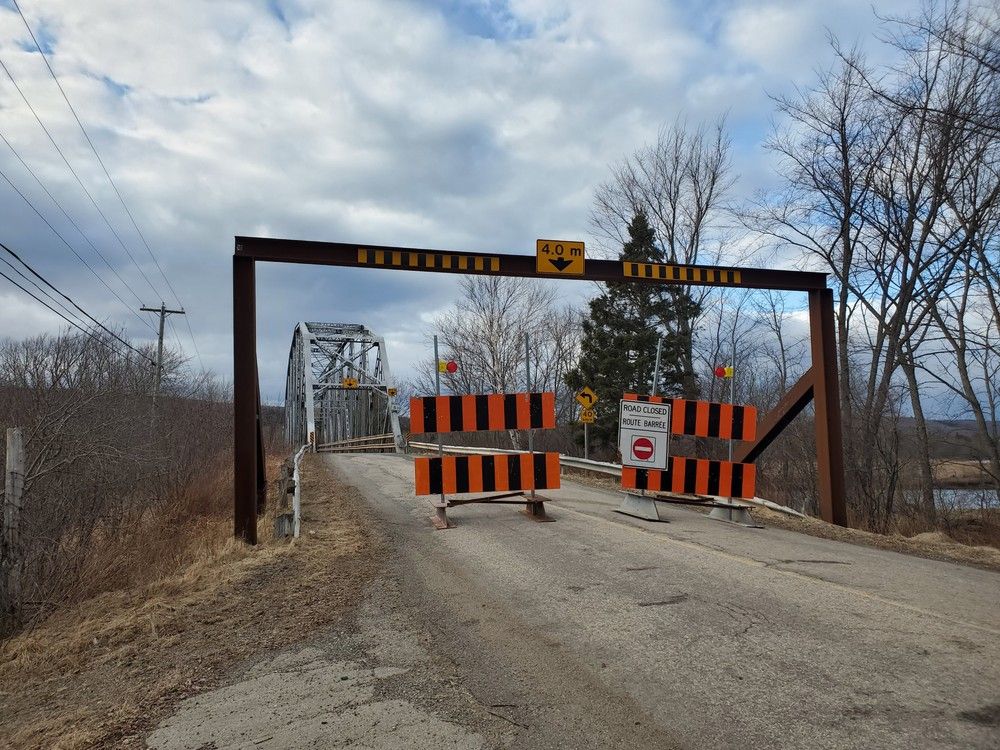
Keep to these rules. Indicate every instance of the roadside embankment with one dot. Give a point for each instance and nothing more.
(102, 672)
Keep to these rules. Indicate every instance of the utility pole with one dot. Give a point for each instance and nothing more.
(10, 574)
(163, 313)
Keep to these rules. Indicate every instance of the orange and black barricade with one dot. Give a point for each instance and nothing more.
(706, 418)
(695, 476)
(483, 412)
(486, 473)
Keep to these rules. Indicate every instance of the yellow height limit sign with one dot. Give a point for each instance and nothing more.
(559, 257)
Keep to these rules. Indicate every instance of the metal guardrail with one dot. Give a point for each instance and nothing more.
(458, 448)
(584, 464)
(297, 494)
(356, 445)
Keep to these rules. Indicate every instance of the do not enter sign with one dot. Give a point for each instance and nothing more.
(643, 434)
(643, 448)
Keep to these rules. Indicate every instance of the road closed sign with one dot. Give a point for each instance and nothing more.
(644, 434)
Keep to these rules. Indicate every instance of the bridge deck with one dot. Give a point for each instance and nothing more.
(718, 636)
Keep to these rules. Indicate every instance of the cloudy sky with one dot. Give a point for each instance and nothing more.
(476, 125)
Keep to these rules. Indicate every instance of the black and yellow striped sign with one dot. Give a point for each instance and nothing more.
(478, 473)
(694, 476)
(706, 418)
(493, 411)
(428, 260)
(693, 274)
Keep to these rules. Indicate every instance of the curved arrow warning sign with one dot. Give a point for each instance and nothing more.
(586, 397)
(559, 257)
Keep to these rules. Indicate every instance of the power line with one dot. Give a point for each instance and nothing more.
(93, 148)
(46, 305)
(76, 176)
(66, 297)
(71, 248)
(68, 217)
(76, 325)
(107, 174)
(180, 348)
(41, 290)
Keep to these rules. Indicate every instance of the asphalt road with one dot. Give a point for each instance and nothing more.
(599, 630)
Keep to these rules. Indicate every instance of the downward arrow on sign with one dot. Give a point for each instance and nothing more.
(561, 264)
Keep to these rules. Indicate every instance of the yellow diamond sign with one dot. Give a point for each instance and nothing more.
(586, 397)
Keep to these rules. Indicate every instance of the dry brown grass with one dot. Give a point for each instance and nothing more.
(196, 529)
(957, 473)
(101, 672)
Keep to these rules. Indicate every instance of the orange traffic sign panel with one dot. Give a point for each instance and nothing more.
(559, 257)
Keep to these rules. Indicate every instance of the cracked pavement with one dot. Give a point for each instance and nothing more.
(601, 630)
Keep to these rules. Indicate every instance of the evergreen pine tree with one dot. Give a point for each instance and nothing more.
(618, 352)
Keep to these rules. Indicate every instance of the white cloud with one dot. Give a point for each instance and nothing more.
(384, 122)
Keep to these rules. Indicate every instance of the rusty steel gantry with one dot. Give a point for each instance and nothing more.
(818, 385)
(338, 386)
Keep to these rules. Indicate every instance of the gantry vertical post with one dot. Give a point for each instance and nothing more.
(826, 392)
(245, 406)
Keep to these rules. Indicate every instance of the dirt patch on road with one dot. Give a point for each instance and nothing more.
(104, 672)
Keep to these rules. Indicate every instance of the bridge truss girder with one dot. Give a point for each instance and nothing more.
(319, 408)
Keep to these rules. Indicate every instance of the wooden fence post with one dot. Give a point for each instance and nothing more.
(10, 571)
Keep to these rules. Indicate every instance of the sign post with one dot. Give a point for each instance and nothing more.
(527, 388)
(656, 366)
(440, 517)
(728, 372)
(587, 398)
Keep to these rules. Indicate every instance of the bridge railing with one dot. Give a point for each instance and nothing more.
(384, 442)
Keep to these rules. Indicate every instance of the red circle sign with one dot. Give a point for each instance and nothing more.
(720, 372)
(452, 366)
(642, 448)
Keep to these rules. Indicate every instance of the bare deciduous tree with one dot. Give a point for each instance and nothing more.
(679, 183)
(485, 333)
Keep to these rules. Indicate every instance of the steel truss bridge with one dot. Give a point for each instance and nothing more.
(339, 392)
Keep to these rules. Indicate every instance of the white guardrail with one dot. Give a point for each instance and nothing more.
(297, 495)
(584, 464)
